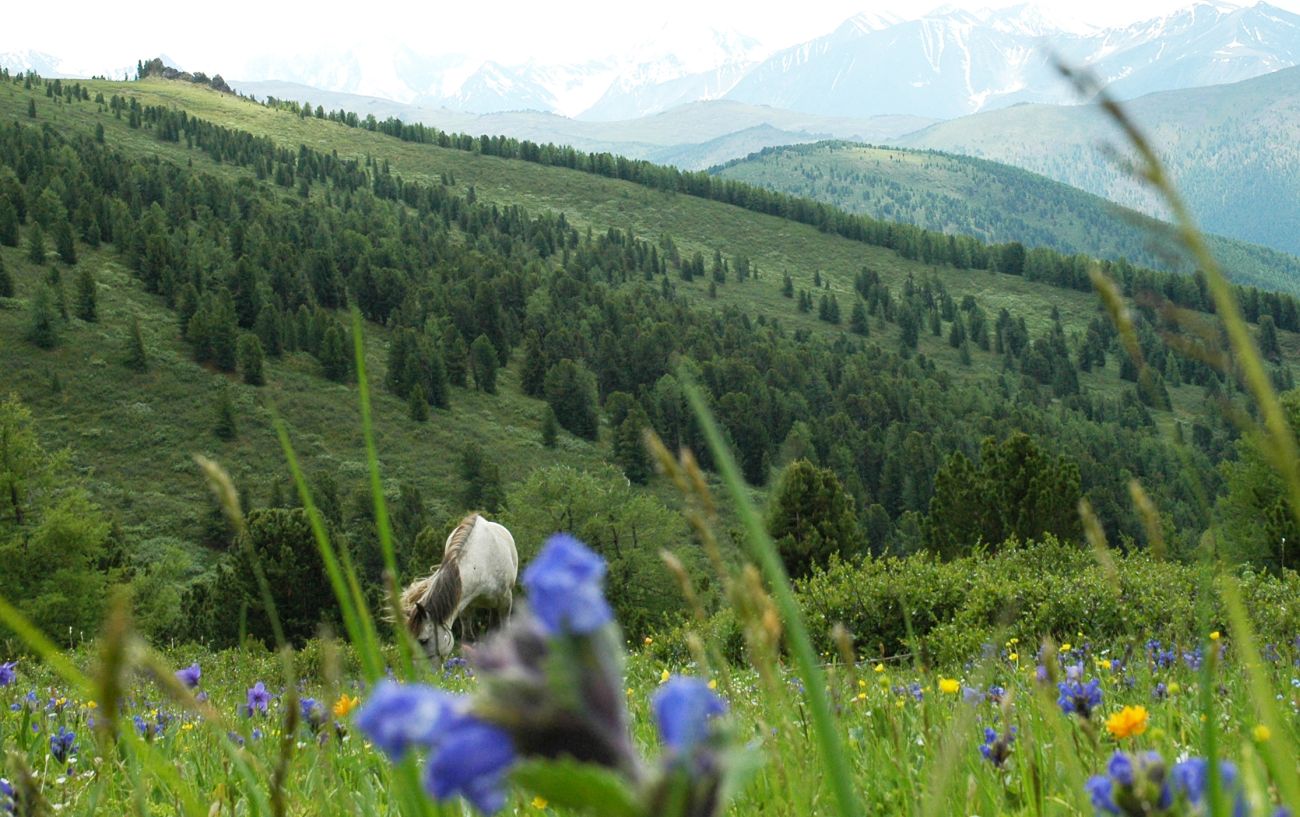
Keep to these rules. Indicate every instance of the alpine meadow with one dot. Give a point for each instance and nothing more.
(361, 465)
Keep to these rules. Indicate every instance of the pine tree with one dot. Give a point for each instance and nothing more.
(6, 281)
(87, 304)
(64, 241)
(8, 223)
(480, 481)
(629, 450)
(270, 330)
(225, 427)
(532, 380)
(858, 319)
(811, 518)
(135, 359)
(417, 404)
(31, 107)
(54, 279)
(787, 286)
(44, 327)
(571, 392)
(36, 244)
(251, 359)
(1268, 345)
(483, 361)
(550, 428)
(334, 359)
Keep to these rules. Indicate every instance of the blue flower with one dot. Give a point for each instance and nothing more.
(258, 698)
(7, 673)
(1191, 777)
(997, 748)
(190, 675)
(471, 759)
(399, 716)
(6, 796)
(1101, 792)
(1077, 698)
(564, 587)
(63, 744)
(1120, 769)
(683, 708)
(312, 712)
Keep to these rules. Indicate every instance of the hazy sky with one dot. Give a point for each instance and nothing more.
(225, 36)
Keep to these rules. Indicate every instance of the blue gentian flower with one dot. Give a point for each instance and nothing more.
(1101, 791)
(1080, 699)
(1191, 778)
(1194, 658)
(1160, 692)
(399, 716)
(258, 699)
(63, 744)
(997, 748)
(683, 708)
(564, 585)
(190, 675)
(7, 673)
(470, 759)
(6, 796)
(312, 712)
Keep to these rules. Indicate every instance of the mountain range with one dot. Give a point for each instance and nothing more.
(941, 65)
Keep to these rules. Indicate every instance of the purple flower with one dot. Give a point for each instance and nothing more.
(1191, 778)
(312, 712)
(7, 673)
(1160, 692)
(258, 698)
(470, 759)
(63, 744)
(6, 796)
(190, 675)
(564, 587)
(399, 716)
(1077, 698)
(683, 708)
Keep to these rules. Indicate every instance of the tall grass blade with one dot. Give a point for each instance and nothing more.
(763, 550)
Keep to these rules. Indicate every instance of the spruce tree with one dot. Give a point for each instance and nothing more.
(54, 279)
(550, 428)
(251, 359)
(8, 223)
(65, 244)
(225, 426)
(44, 327)
(6, 281)
(571, 392)
(858, 319)
(87, 304)
(417, 404)
(36, 244)
(483, 360)
(135, 359)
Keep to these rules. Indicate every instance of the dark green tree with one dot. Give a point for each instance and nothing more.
(629, 449)
(858, 319)
(417, 404)
(43, 327)
(6, 281)
(36, 251)
(550, 427)
(483, 362)
(335, 353)
(571, 393)
(87, 303)
(225, 427)
(251, 359)
(8, 223)
(811, 517)
(65, 244)
(135, 358)
(480, 481)
(31, 108)
(1268, 345)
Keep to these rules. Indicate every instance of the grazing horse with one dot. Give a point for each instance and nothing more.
(478, 570)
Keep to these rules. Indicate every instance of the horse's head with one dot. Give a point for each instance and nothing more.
(435, 637)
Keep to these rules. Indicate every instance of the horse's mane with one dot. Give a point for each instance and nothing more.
(438, 595)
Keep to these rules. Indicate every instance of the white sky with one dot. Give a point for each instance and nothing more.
(223, 37)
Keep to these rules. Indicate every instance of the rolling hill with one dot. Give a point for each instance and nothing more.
(811, 334)
(1231, 149)
(991, 201)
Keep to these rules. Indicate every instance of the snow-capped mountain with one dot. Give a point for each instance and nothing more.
(954, 62)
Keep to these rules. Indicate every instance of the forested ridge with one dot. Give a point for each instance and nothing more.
(944, 422)
(993, 202)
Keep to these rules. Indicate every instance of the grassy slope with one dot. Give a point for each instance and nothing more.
(989, 200)
(1232, 149)
(111, 417)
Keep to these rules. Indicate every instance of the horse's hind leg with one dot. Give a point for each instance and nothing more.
(504, 608)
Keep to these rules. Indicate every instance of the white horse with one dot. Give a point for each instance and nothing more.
(478, 570)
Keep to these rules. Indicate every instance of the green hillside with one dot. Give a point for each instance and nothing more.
(212, 219)
(991, 201)
(1230, 148)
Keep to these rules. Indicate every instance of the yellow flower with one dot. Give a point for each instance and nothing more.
(1129, 721)
(1015, 656)
(713, 683)
(663, 679)
(1014, 641)
(949, 685)
(862, 683)
(629, 692)
(861, 696)
(91, 705)
(1214, 636)
(1173, 688)
(345, 704)
(1261, 733)
(1065, 648)
(539, 802)
(649, 641)
(879, 667)
(188, 726)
